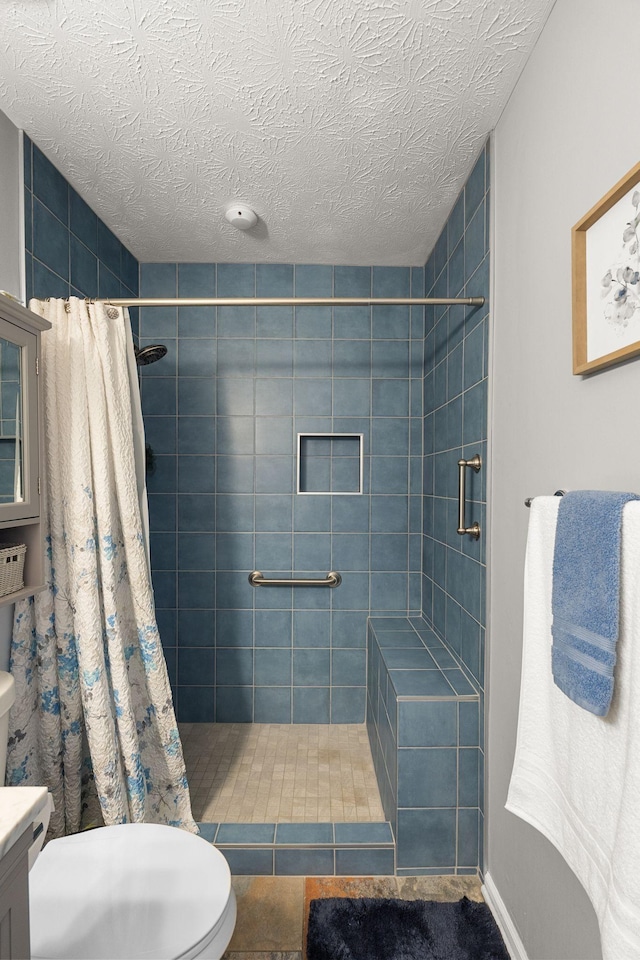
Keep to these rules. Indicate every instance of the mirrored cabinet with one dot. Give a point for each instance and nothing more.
(21, 446)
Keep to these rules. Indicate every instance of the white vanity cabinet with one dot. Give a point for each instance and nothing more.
(21, 447)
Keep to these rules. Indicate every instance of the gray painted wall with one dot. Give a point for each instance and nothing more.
(11, 275)
(560, 144)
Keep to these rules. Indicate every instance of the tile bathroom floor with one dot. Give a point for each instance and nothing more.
(272, 911)
(275, 773)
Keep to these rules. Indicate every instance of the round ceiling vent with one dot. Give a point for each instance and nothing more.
(241, 216)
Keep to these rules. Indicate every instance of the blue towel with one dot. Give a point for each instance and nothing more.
(586, 596)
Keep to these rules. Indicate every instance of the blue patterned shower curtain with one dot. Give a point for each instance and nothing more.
(93, 715)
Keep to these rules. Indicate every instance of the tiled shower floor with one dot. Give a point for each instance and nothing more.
(273, 773)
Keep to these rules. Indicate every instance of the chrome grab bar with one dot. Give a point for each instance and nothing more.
(475, 463)
(332, 579)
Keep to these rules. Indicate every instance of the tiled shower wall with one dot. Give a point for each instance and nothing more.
(222, 412)
(69, 250)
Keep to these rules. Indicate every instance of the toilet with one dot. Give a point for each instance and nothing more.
(136, 891)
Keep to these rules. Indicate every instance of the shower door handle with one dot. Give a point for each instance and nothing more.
(475, 463)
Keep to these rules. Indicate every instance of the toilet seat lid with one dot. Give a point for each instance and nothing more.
(134, 891)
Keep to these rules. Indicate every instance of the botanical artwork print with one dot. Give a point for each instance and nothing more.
(93, 719)
(620, 288)
(613, 278)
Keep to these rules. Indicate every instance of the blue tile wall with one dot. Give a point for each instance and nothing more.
(69, 251)
(222, 411)
(454, 426)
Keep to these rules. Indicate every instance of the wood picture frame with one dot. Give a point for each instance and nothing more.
(605, 254)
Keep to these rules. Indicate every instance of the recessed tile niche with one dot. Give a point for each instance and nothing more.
(330, 463)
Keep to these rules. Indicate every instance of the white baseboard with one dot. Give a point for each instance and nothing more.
(500, 913)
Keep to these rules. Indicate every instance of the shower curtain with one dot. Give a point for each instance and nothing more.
(93, 718)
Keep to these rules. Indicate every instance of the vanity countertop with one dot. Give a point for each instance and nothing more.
(19, 807)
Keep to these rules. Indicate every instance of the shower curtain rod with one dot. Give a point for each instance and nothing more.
(288, 301)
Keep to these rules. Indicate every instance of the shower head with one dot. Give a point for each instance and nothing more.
(155, 351)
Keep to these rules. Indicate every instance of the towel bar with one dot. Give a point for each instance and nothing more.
(558, 493)
(332, 579)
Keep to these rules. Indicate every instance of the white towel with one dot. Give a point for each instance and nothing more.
(576, 777)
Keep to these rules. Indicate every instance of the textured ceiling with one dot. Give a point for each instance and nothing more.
(349, 125)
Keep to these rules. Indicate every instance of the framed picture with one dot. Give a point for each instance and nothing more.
(606, 279)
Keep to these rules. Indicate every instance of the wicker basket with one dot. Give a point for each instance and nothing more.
(12, 568)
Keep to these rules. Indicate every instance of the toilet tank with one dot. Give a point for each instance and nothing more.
(7, 697)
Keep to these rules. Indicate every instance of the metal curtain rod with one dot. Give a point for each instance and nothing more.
(289, 301)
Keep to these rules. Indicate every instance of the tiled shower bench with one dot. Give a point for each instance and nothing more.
(423, 723)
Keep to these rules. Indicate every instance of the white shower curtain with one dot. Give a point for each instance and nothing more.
(93, 713)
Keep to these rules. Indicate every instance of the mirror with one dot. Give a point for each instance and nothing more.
(11, 423)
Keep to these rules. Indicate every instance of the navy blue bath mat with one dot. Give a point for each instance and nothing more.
(344, 928)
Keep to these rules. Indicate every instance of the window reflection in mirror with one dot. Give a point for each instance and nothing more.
(11, 425)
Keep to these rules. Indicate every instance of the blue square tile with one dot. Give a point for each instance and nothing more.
(390, 322)
(348, 704)
(313, 280)
(167, 627)
(234, 666)
(109, 248)
(108, 282)
(389, 551)
(367, 863)
(348, 667)
(273, 628)
(197, 551)
(312, 514)
(129, 270)
(234, 474)
(312, 397)
(350, 551)
(50, 241)
(390, 437)
(312, 551)
(196, 628)
(234, 704)
(162, 511)
(421, 683)
(274, 280)
(235, 397)
(468, 777)
(236, 358)
(351, 514)
(389, 514)
(50, 186)
(196, 397)
(349, 628)
(272, 667)
(389, 475)
(313, 358)
(273, 513)
(274, 358)
(351, 398)
(275, 397)
(304, 863)
(474, 241)
(158, 396)
(352, 323)
(196, 321)
(253, 863)
(390, 398)
(427, 777)
(272, 705)
(274, 322)
(196, 435)
(352, 358)
(84, 268)
(369, 833)
(196, 704)
(164, 588)
(389, 591)
(196, 667)
(426, 838)
(313, 322)
(236, 279)
(163, 550)
(427, 724)
(274, 475)
(352, 281)
(469, 720)
(311, 667)
(233, 590)
(237, 322)
(391, 281)
(196, 512)
(311, 704)
(235, 436)
(352, 594)
(311, 628)
(207, 831)
(197, 474)
(233, 551)
(475, 413)
(197, 358)
(158, 280)
(273, 551)
(234, 628)
(197, 280)
(196, 589)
